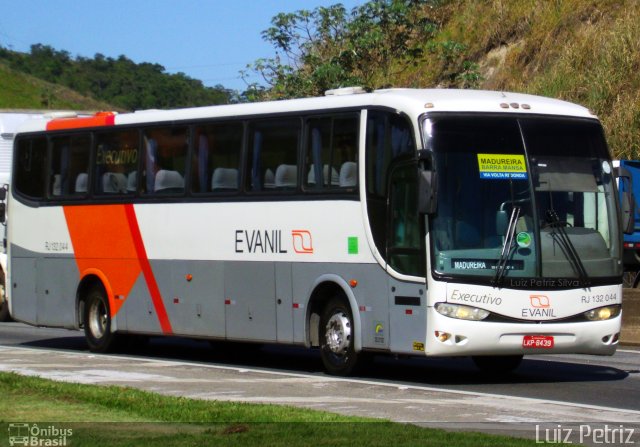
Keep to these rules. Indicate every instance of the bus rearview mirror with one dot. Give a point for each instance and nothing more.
(427, 197)
(627, 210)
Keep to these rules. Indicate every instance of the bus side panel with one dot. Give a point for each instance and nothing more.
(250, 301)
(138, 314)
(193, 293)
(35, 298)
(284, 302)
(407, 312)
(57, 281)
(24, 299)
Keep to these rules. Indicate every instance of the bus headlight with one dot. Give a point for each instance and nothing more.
(603, 313)
(461, 312)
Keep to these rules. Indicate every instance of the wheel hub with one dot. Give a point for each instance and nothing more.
(98, 319)
(338, 333)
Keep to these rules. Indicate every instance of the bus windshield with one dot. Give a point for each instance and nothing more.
(523, 201)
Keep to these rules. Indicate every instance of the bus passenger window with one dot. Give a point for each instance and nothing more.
(331, 153)
(69, 166)
(30, 171)
(116, 163)
(273, 158)
(216, 158)
(165, 160)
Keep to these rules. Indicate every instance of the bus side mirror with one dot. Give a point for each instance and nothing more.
(3, 209)
(427, 196)
(3, 194)
(427, 183)
(627, 210)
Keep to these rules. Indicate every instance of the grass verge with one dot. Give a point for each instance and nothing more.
(117, 416)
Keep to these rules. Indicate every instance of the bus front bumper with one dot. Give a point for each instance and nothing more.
(453, 337)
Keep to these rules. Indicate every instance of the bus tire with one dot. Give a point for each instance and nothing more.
(497, 364)
(337, 338)
(97, 321)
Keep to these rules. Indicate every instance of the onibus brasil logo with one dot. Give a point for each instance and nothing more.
(34, 435)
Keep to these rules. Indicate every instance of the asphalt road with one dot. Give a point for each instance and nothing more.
(436, 392)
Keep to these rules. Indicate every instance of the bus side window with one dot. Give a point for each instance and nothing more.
(165, 159)
(30, 171)
(116, 163)
(216, 158)
(273, 158)
(69, 166)
(331, 153)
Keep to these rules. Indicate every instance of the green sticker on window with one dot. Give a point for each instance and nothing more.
(352, 244)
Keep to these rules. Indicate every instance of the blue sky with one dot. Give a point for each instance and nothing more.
(210, 40)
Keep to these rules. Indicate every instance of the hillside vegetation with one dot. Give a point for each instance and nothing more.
(22, 91)
(120, 81)
(584, 51)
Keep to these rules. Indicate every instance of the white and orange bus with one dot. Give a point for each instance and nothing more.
(411, 222)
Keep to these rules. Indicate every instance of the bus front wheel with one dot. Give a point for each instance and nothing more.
(97, 321)
(337, 338)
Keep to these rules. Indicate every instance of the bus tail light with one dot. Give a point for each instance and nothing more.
(603, 313)
(461, 312)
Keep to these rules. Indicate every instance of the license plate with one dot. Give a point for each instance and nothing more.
(537, 341)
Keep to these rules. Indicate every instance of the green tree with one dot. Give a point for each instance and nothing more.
(328, 48)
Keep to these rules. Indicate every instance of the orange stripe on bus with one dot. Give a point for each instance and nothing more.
(152, 285)
(97, 120)
(107, 242)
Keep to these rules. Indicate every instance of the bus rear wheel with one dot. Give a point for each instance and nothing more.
(337, 338)
(97, 321)
(497, 364)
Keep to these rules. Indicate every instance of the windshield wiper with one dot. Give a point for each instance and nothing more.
(560, 236)
(501, 267)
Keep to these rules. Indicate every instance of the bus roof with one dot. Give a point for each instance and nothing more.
(413, 102)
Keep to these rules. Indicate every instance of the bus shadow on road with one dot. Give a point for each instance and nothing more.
(419, 371)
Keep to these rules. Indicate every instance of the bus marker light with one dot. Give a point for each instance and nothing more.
(176, 300)
(442, 336)
(408, 311)
(353, 283)
(188, 277)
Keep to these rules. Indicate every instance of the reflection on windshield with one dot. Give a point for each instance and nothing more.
(552, 171)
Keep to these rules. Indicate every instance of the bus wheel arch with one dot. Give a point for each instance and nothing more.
(334, 325)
